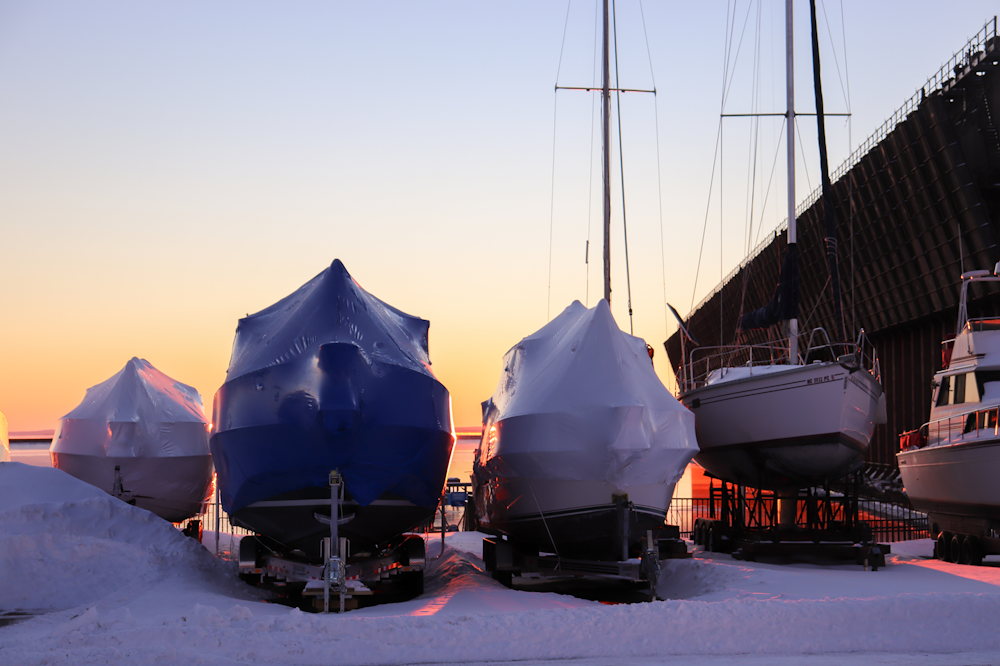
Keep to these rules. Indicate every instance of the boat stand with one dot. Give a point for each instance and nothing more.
(817, 522)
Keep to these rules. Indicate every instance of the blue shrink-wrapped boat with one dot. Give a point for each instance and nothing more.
(329, 378)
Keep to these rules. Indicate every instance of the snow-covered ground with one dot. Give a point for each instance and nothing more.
(112, 584)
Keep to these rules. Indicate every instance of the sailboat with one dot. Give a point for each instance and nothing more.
(772, 416)
(582, 444)
(331, 378)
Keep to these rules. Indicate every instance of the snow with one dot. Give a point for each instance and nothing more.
(113, 584)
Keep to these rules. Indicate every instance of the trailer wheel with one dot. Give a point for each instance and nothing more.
(710, 539)
(696, 537)
(955, 551)
(941, 546)
(971, 552)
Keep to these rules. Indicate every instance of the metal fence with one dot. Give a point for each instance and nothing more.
(889, 522)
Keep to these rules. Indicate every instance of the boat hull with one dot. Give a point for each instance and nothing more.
(174, 488)
(789, 429)
(269, 465)
(578, 519)
(958, 479)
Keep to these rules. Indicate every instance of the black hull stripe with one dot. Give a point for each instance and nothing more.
(825, 438)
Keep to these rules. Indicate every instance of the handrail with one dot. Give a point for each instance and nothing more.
(968, 422)
(721, 357)
(969, 56)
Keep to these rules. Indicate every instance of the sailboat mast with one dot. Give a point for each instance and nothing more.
(793, 324)
(606, 146)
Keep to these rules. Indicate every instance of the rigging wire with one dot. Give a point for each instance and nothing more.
(753, 159)
(590, 188)
(715, 157)
(621, 165)
(659, 177)
(552, 188)
(802, 151)
(730, 29)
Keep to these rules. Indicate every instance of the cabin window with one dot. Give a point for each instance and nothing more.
(944, 391)
(972, 392)
(959, 389)
(983, 376)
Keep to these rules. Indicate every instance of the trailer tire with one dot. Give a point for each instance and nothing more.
(710, 538)
(971, 552)
(955, 551)
(696, 537)
(941, 546)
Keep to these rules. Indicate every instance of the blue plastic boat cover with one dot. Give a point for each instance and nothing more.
(328, 378)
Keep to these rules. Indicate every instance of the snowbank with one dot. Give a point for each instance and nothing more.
(65, 543)
(123, 587)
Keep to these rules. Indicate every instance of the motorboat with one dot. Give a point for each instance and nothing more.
(767, 415)
(950, 465)
(141, 436)
(330, 378)
(582, 444)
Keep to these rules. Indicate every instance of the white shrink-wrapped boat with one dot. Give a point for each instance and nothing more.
(582, 444)
(143, 437)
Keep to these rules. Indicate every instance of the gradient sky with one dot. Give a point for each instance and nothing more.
(166, 168)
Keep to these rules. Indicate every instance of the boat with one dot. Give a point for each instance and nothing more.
(141, 436)
(769, 416)
(582, 444)
(950, 465)
(330, 378)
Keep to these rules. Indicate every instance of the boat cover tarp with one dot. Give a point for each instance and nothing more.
(328, 378)
(580, 400)
(138, 413)
(784, 305)
(4, 442)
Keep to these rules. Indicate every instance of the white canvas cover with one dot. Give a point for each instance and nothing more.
(138, 413)
(579, 400)
(4, 442)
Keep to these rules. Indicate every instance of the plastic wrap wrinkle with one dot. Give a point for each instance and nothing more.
(580, 400)
(139, 412)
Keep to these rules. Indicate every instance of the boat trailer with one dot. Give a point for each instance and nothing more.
(342, 581)
(505, 559)
(818, 522)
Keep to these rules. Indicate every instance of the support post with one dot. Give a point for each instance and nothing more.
(218, 515)
(334, 569)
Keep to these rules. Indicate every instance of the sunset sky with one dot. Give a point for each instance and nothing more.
(166, 168)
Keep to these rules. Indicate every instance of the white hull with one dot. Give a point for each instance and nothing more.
(174, 488)
(786, 428)
(955, 478)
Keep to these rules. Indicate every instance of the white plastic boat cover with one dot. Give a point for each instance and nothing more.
(580, 400)
(139, 412)
(4, 442)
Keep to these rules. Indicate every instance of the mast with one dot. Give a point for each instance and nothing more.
(793, 324)
(828, 213)
(606, 146)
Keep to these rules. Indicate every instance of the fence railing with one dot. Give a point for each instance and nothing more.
(889, 522)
